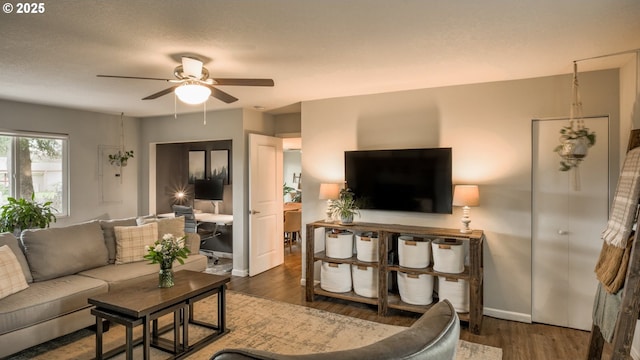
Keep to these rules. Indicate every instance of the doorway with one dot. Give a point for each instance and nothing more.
(292, 197)
(566, 225)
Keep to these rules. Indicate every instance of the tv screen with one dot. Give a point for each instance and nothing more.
(209, 189)
(417, 180)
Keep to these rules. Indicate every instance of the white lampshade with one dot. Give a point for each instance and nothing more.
(466, 195)
(192, 93)
(329, 191)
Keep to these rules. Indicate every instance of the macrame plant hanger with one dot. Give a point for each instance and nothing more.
(574, 142)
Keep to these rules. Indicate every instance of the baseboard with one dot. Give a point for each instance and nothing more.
(507, 315)
(241, 273)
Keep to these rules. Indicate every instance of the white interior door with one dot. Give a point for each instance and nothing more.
(266, 246)
(566, 226)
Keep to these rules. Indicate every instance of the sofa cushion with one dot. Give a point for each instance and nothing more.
(110, 235)
(46, 300)
(11, 273)
(173, 225)
(131, 241)
(119, 275)
(56, 252)
(11, 241)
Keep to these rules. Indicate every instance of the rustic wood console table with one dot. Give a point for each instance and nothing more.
(473, 273)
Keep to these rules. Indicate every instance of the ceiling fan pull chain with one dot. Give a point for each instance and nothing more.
(205, 113)
(175, 106)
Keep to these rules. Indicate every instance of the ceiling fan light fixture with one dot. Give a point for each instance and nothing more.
(193, 94)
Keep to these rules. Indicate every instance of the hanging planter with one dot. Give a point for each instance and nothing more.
(575, 138)
(574, 146)
(120, 158)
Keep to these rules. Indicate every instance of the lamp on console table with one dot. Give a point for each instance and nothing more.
(329, 192)
(466, 196)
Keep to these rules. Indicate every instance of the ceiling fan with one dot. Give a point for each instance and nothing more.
(193, 84)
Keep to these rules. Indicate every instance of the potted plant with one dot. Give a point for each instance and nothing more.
(344, 207)
(121, 158)
(20, 214)
(574, 144)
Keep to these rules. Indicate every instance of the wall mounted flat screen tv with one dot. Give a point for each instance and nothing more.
(417, 180)
(208, 189)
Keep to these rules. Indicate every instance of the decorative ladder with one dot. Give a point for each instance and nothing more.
(630, 306)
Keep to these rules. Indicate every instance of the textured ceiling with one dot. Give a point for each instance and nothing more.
(312, 49)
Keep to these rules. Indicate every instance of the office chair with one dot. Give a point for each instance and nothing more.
(191, 225)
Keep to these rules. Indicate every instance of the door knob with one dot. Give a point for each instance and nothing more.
(563, 232)
(253, 212)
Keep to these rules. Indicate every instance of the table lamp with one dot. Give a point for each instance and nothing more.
(466, 196)
(329, 192)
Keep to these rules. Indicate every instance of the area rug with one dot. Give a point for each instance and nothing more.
(254, 323)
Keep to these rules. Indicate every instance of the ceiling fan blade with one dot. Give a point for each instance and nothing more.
(244, 82)
(160, 93)
(131, 77)
(221, 95)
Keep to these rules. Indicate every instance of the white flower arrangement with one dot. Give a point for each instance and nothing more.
(167, 249)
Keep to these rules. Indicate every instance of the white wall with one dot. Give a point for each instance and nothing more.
(489, 128)
(86, 130)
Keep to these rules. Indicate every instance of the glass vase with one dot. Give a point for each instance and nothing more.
(165, 276)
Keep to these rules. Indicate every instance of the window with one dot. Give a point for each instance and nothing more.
(34, 163)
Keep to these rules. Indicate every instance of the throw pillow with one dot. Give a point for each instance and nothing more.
(141, 220)
(131, 240)
(174, 225)
(56, 252)
(110, 235)
(12, 242)
(11, 273)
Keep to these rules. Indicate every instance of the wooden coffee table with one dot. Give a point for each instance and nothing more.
(143, 302)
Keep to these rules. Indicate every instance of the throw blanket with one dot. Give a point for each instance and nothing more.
(625, 202)
(605, 312)
(611, 268)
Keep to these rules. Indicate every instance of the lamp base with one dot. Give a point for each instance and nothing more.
(465, 221)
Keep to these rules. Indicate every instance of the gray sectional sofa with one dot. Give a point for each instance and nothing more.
(65, 266)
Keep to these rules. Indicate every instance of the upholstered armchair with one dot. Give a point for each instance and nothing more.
(433, 336)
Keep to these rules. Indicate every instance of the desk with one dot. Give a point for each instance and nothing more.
(218, 219)
(291, 206)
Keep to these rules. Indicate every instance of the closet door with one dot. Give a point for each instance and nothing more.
(566, 226)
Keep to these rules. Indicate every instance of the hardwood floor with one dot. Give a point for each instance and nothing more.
(517, 340)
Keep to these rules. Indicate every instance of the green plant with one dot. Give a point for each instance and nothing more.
(286, 189)
(296, 195)
(20, 214)
(573, 144)
(121, 158)
(345, 206)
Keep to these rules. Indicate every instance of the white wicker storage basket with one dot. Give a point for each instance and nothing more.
(456, 291)
(339, 245)
(365, 280)
(415, 289)
(414, 252)
(335, 277)
(367, 247)
(448, 256)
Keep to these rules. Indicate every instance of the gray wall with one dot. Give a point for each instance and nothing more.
(489, 128)
(86, 130)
